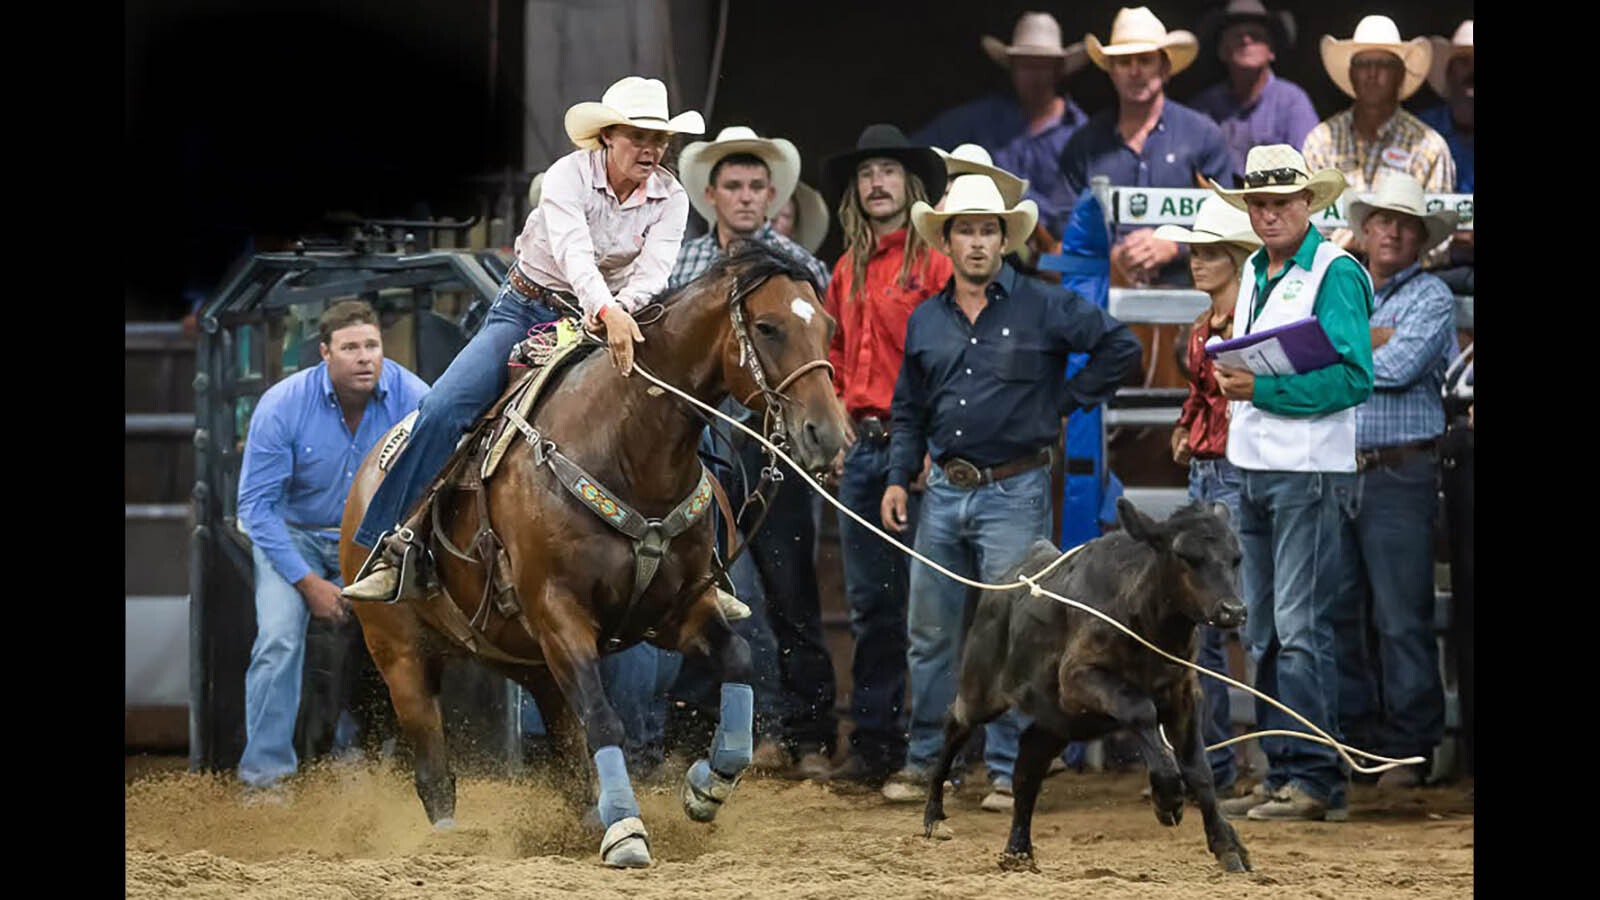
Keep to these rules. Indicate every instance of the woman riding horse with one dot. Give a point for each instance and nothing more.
(603, 237)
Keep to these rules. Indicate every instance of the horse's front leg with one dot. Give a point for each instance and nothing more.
(412, 673)
(568, 641)
(711, 781)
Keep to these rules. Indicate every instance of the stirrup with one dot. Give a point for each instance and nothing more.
(384, 556)
(733, 609)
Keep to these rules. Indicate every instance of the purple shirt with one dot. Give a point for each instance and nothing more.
(1036, 158)
(990, 122)
(1283, 114)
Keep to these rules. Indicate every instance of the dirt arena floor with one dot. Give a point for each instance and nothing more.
(358, 831)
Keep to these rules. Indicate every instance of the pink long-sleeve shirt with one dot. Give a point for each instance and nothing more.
(582, 240)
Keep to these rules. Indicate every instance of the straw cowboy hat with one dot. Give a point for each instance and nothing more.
(699, 158)
(811, 217)
(1377, 33)
(970, 194)
(971, 159)
(1443, 51)
(1279, 23)
(1137, 30)
(535, 190)
(1402, 193)
(1280, 169)
(1036, 34)
(641, 102)
(839, 170)
(1216, 223)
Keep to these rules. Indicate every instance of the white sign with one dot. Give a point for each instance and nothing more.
(1178, 206)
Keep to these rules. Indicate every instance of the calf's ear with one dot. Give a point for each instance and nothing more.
(1221, 511)
(1138, 525)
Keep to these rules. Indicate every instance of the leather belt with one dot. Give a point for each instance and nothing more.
(1389, 457)
(966, 476)
(872, 427)
(532, 290)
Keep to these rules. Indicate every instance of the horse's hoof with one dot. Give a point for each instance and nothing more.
(445, 824)
(626, 844)
(1232, 862)
(704, 791)
(1018, 862)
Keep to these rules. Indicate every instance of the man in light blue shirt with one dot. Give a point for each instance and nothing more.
(307, 437)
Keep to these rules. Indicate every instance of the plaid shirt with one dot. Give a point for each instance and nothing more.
(697, 255)
(1408, 370)
(1404, 144)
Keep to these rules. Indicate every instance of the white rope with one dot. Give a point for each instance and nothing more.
(1030, 581)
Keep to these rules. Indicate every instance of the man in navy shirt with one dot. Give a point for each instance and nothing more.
(983, 392)
(307, 437)
(1148, 140)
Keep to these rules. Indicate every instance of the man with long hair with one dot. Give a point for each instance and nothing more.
(886, 270)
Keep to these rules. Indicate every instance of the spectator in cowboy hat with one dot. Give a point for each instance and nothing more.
(738, 182)
(983, 389)
(886, 270)
(1148, 140)
(1388, 541)
(1451, 77)
(1293, 439)
(1253, 105)
(1219, 242)
(1375, 135)
(803, 218)
(1035, 109)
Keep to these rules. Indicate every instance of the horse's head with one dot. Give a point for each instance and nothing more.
(775, 357)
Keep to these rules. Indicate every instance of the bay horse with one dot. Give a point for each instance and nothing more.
(753, 320)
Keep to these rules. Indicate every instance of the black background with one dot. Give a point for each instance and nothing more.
(253, 117)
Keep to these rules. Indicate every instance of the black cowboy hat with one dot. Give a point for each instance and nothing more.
(1279, 23)
(839, 170)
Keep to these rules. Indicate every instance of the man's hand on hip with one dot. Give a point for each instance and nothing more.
(893, 509)
(322, 598)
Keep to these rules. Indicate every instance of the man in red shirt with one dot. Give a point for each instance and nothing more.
(886, 270)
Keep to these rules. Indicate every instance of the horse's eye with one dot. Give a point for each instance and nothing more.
(767, 329)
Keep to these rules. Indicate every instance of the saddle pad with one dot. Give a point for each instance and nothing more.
(530, 391)
(396, 441)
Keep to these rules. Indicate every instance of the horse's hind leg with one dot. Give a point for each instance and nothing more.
(413, 679)
(711, 781)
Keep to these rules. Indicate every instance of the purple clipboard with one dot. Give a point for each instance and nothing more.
(1301, 346)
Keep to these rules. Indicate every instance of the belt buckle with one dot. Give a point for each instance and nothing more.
(963, 474)
(872, 427)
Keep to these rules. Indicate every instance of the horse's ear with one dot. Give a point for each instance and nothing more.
(1138, 525)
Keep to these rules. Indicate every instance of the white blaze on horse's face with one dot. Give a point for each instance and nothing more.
(803, 309)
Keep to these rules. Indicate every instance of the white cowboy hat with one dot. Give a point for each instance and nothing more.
(1036, 34)
(1377, 33)
(1286, 173)
(699, 158)
(1137, 30)
(1402, 193)
(641, 102)
(972, 159)
(811, 217)
(535, 190)
(1216, 223)
(1443, 51)
(971, 194)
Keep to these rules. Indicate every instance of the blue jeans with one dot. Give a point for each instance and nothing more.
(876, 578)
(1389, 564)
(474, 379)
(272, 683)
(1289, 525)
(1216, 481)
(978, 534)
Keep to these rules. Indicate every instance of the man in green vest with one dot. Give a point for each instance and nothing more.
(1293, 438)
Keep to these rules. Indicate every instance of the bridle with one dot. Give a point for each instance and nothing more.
(773, 427)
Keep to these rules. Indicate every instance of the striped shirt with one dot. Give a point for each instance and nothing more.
(1404, 143)
(698, 255)
(1408, 370)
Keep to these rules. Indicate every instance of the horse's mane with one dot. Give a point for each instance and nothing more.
(751, 260)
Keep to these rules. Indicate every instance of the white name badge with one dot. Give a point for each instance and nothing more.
(1136, 206)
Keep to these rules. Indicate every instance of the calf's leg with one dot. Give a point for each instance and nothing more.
(1093, 690)
(1220, 837)
(1034, 752)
